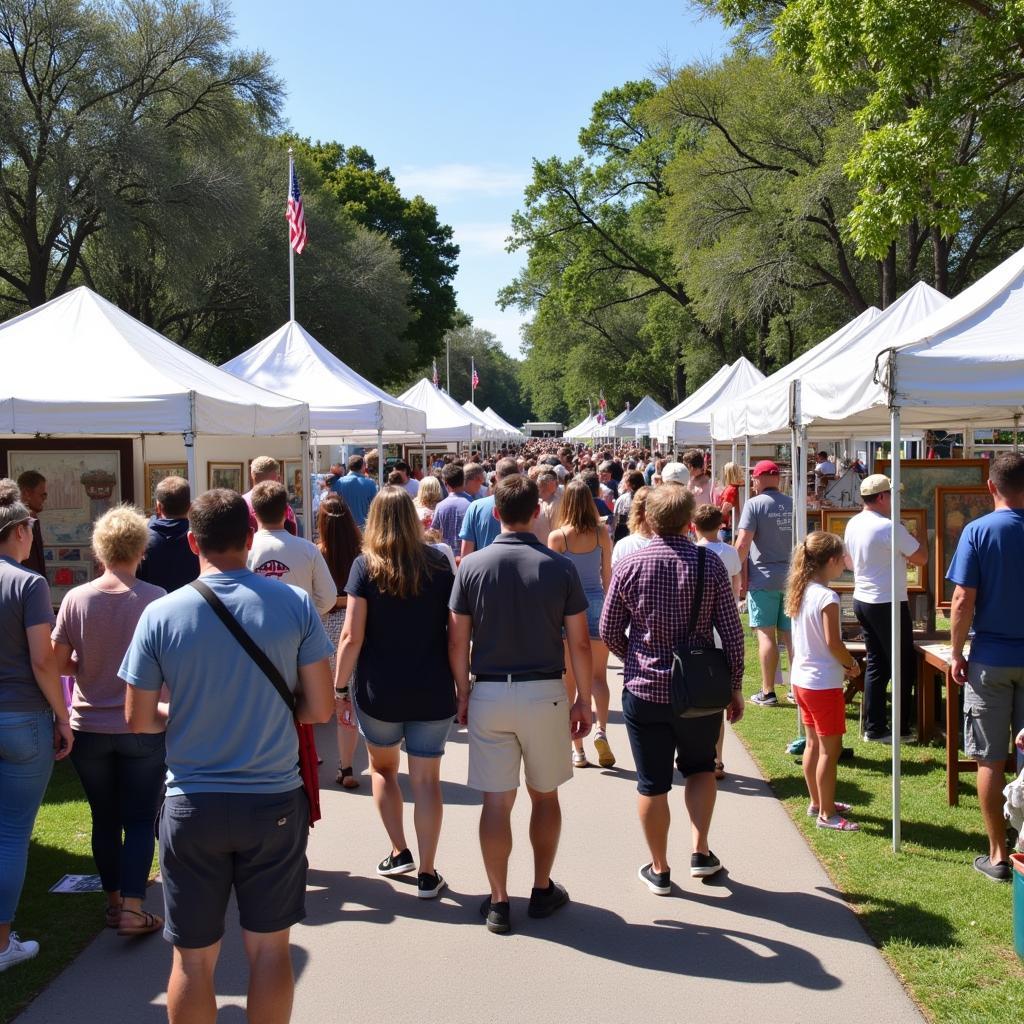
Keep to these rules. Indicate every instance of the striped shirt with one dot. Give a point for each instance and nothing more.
(651, 595)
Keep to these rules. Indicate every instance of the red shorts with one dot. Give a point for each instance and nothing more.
(824, 711)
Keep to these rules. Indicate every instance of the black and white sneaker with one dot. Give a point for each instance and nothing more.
(396, 864)
(657, 881)
(496, 915)
(703, 865)
(764, 700)
(429, 886)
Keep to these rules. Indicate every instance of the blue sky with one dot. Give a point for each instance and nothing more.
(458, 97)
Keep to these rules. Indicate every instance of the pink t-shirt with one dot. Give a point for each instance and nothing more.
(98, 626)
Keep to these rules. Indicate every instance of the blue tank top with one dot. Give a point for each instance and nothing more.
(588, 565)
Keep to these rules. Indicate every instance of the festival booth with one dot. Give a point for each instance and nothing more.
(447, 421)
(104, 407)
(635, 423)
(514, 433)
(491, 432)
(344, 408)
(583, 430)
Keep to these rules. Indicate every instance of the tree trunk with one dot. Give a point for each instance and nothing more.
(762, 344)
(680, 382)
(940, 255)
(889, 277)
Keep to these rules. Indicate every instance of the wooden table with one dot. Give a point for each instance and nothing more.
(936, 657)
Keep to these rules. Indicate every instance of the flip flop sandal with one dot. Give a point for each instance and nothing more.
(841, 808)
(346, 779)
(150, 923)
(720, 771)
(838, 824)
(112, 916)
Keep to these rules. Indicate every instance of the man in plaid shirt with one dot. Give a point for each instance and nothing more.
(646, 615)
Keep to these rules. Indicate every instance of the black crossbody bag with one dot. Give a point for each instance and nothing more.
(701, 676)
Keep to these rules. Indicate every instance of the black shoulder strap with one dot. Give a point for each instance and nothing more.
(247, 643)
(699, 592)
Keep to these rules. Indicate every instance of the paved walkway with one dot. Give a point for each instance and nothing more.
(768, 940)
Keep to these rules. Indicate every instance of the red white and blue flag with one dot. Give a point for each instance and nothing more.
(437, 379)
(602, 410)
(476, 378)
(294, 215)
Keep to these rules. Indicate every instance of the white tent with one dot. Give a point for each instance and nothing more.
(635, 422)
(504, 424)
(583, 429)
(607, 429)
(757, 412)
(446, 419)
(79, 365)
(491, 432)
(690, 421)
(341, 402)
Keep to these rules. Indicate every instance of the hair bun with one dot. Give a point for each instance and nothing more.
(10, 492)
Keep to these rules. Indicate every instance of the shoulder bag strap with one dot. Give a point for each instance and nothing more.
(269, 669)
(699, 593)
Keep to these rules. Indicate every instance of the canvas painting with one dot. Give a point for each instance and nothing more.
(157, 471)
(955, 507)
(835, 520)
(920, 477)
(229, 475)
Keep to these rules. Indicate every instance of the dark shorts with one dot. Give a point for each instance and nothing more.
(211, 843)
(662, 741)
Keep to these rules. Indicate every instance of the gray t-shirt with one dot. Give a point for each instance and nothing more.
(769, 516)
(518, 593)
(24, 602)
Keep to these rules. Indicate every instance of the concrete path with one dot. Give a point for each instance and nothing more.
(768, 940)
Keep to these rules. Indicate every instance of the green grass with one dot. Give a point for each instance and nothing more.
(62, 925)
(946, 930)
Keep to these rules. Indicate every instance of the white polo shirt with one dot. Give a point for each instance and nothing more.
(869, 542)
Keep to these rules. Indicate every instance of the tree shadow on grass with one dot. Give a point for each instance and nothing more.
(888, 919)
(926, 834)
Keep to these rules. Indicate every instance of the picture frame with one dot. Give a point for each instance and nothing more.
(920, 477)
(955, 507)
(914, 519)
(153, 473)
(226, 474)
(291, 474)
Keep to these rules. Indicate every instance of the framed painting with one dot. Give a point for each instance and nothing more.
(920, 477)
(291, 471)
(154, 473)
(813, 519)
(955, 507)
(230, 475)
(835, 520)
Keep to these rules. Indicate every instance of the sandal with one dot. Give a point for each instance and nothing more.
(841, 808)
(345, 778)
(720, 771)
(838, 824)
(112, 916)
(150, 923)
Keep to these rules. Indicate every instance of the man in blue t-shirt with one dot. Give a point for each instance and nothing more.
(236, 815)
(986, 570)
(480, 526)
(357, 489)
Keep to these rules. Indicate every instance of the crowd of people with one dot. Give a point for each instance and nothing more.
(212, 610)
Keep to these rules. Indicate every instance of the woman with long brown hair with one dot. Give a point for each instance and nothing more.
(585, 542)
(398, 594)
(339, 541)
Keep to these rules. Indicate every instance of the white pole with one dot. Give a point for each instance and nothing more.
(291, 251)
(424, 455)
(307, 487)
(380, 458)
(190, 459)
(746, 468)
(897, 570)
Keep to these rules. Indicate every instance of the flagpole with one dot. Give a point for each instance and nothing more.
(472, 380)
(291, 251)
(447, 364)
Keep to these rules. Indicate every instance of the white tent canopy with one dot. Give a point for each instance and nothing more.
(690, 421)
(341, 402)
(758, 412)
(107, 373)
(503, 424)
(585, 428)
(636, 422)
(490, 431)
(607, 429)
(446, 420)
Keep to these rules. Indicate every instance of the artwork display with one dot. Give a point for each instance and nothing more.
(844, 491)
(835, 520)
(154, 473)
(230, 475)
(955, 507)
(920, 477)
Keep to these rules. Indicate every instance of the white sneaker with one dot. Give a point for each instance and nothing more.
(16, 951)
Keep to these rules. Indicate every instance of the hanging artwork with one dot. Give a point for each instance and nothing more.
(955, 507)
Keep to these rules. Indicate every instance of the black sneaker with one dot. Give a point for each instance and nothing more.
(396, 864)
(544, 902)
(657, 881)
(993, 872)
(496, 915)
(428, 885)
(703, 865)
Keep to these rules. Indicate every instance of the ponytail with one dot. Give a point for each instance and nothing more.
(809, 557)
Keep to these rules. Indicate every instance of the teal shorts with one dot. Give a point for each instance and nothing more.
(766, 609)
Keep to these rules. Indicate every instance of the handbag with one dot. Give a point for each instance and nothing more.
(701, 681)
(309, 767)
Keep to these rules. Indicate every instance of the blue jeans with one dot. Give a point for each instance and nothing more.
(26, 761)
(123, 778)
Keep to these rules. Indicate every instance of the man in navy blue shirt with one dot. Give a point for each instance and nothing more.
(986, 570)
(357, 489)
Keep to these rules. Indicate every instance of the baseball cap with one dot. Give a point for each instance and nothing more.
(766, 468)
(675, 473)
(561, 471)
(877, 483)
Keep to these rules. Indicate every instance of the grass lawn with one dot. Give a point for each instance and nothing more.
(62, 925)
(947, 931)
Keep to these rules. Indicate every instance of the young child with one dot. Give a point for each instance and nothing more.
(820, 661)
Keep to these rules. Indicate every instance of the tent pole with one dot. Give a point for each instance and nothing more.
(1016, 431)
(190, 459)
(897, 570)
(424, 454)
(746, 468)
(146, 498)
(380, 459)
(307, 486)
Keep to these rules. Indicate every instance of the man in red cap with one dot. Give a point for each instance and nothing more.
(764, 542)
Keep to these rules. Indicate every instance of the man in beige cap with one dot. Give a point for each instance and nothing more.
(869, 540)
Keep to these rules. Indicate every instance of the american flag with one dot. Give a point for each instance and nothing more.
(294, 215)
(476, 378)
(437, 379)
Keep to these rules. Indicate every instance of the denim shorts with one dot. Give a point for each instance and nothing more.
(422, 739)
(595, 605)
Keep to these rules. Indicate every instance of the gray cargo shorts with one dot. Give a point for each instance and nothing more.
(993, 710)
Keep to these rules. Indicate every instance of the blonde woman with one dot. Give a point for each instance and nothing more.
(122, 773)
(729, 497)
(585, 542)
(398, 594)
(427, 499)
(639, 535)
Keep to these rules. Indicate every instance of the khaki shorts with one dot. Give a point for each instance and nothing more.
(524, 722)
(993, 710)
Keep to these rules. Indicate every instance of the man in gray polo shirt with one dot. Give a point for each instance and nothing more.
(513, 599)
